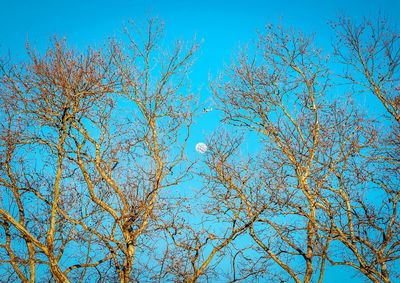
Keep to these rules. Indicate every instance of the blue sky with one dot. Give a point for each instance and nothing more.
(221, 26)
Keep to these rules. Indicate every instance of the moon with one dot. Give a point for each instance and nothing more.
(201, 147)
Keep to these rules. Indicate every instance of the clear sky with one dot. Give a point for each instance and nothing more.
(221, 26)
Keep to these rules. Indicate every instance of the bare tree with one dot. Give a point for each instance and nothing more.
(40, 100)
(369, 226)
(370, 51)
(150, 156)
(279, 93)
(89, 153)
(315, 176)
